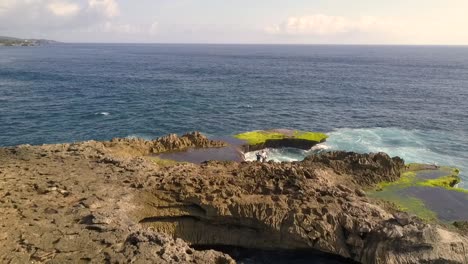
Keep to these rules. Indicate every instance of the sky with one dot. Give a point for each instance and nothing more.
(434, 22)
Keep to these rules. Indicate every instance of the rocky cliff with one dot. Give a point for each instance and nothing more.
(109, 201)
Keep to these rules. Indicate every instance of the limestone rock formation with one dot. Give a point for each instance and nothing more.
(69, 203)
(106, 201)
(170, 142)
(290, 206)
(152, 247)
(366, 169)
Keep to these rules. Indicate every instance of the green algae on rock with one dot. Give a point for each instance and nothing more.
(276, 138)
(415, 190)
(259, 137)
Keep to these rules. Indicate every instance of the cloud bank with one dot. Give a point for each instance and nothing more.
(321, 25)
(35, 9)
(173, 21)
(86, 20)
(51, 15)
(371, 29)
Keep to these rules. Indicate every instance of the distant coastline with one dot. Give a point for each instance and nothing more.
(12, 42)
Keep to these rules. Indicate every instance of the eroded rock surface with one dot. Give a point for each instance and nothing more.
(106, 201)
(291, 206)
(137, 146)
(365, 169)
(71, 203)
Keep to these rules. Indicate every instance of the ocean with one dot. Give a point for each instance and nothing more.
(410, 101)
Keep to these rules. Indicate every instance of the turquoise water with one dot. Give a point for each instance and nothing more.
(412, 145)
(409, 101)
(430, 146)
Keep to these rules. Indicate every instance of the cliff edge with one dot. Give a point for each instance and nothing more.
(112, 202)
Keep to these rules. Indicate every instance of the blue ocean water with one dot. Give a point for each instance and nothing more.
(410, 101)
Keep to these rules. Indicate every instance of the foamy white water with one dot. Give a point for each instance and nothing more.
(411, 145)
(140, 136)
(279, 155)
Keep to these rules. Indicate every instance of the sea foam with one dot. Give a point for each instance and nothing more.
(414, 146)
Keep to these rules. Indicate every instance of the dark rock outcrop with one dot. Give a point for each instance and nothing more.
(281, 143)
(172, 142)
(366, 169)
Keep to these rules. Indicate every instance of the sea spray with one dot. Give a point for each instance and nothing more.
(413, 146)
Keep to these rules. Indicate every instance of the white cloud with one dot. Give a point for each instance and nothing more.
(54, 17)
(63, 8)
(321, 25)
(109, 8)
(321, 28)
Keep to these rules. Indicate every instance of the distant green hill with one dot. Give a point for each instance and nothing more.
(10, 41)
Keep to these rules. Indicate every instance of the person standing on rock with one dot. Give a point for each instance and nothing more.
(259, 156)
(264, 156)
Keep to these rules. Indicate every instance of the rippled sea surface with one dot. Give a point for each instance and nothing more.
(410, 101)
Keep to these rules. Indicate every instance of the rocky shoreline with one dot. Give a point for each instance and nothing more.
(112, 202)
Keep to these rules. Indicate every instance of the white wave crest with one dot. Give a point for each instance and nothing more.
(102, 113)
(411, 145)
(320, 147)
(433, 147)
(279, 155)
(139, 136)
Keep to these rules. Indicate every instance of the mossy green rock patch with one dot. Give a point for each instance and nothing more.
(281, 138)
(427, 191)
(258, 137)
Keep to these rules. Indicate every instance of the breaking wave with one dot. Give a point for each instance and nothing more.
(436, 147)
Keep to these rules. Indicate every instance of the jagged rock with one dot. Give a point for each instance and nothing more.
(152, 247)
(267, 210)
(314, 204)
(167, 143)
(366, 169)
(402, 218)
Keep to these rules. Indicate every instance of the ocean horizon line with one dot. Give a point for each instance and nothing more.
(260, 44)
